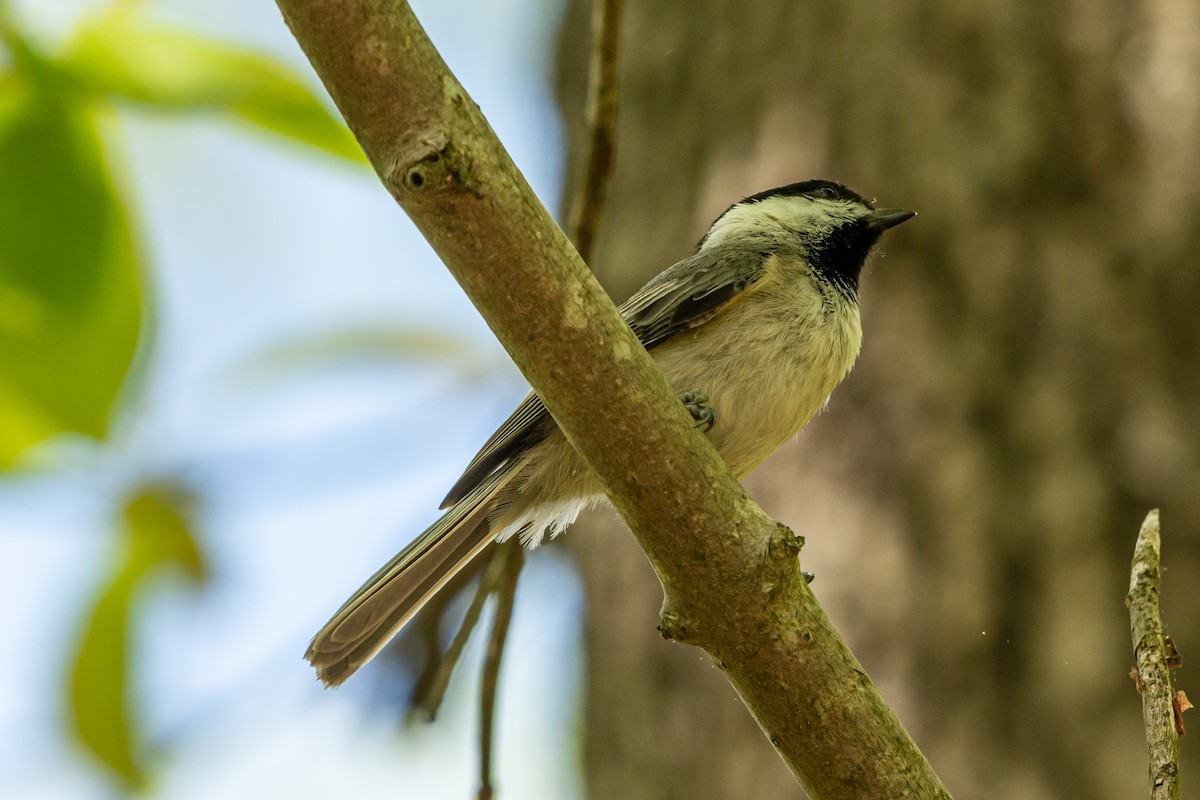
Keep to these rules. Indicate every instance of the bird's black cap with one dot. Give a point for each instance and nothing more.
(827, 189)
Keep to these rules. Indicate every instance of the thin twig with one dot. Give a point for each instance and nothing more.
(1153, 674)
(600, 149)
(430, 699)
(428, 627)
(500, 580)
(508, 563)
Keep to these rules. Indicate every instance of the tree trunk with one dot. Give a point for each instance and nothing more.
(1027, 390)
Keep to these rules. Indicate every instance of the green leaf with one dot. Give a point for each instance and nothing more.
(355, 344)
(70, 279)
(22, 424)
(368, 341)
(122, 55)
(156, 534)
(99, 690)
(158, 520)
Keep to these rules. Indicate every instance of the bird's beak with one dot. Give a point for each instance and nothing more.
(883, 218)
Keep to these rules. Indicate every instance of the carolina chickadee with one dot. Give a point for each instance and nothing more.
(758, 327)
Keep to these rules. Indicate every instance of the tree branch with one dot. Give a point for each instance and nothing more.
(429, 699)
(510, 560)
(731, 579)
(601, 126)
(1153, 672)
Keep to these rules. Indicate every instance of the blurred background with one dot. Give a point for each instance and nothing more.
(234, 379)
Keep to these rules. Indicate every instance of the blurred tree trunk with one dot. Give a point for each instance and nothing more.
(1027, 390)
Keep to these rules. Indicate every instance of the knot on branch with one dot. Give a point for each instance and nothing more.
(675, 627)
(785, 543)
(436, 166)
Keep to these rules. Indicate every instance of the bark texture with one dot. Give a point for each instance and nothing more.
(1152, 667)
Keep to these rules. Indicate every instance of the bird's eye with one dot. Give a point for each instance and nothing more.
(825, 193)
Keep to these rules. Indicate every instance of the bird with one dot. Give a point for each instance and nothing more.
(754, 330)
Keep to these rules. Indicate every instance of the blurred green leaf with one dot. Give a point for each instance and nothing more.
(70, 281)
(123, 55)
(355, 344)
(22, 424)
(366, 342)
(157, 533)
(99, 689)
(158, 519)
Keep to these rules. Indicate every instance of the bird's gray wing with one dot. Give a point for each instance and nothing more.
(691, 292)
(525, 427)
(682, 297)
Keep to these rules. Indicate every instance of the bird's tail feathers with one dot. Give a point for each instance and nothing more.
(394, 594)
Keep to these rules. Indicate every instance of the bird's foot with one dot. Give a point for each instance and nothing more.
(694, 402)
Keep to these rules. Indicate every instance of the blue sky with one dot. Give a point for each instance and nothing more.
(311, 470)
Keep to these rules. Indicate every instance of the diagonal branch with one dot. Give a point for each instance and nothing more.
(731, 579)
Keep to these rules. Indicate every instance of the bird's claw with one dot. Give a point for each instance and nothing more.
(694, 402)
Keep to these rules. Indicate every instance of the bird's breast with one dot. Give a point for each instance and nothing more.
(767, 364)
